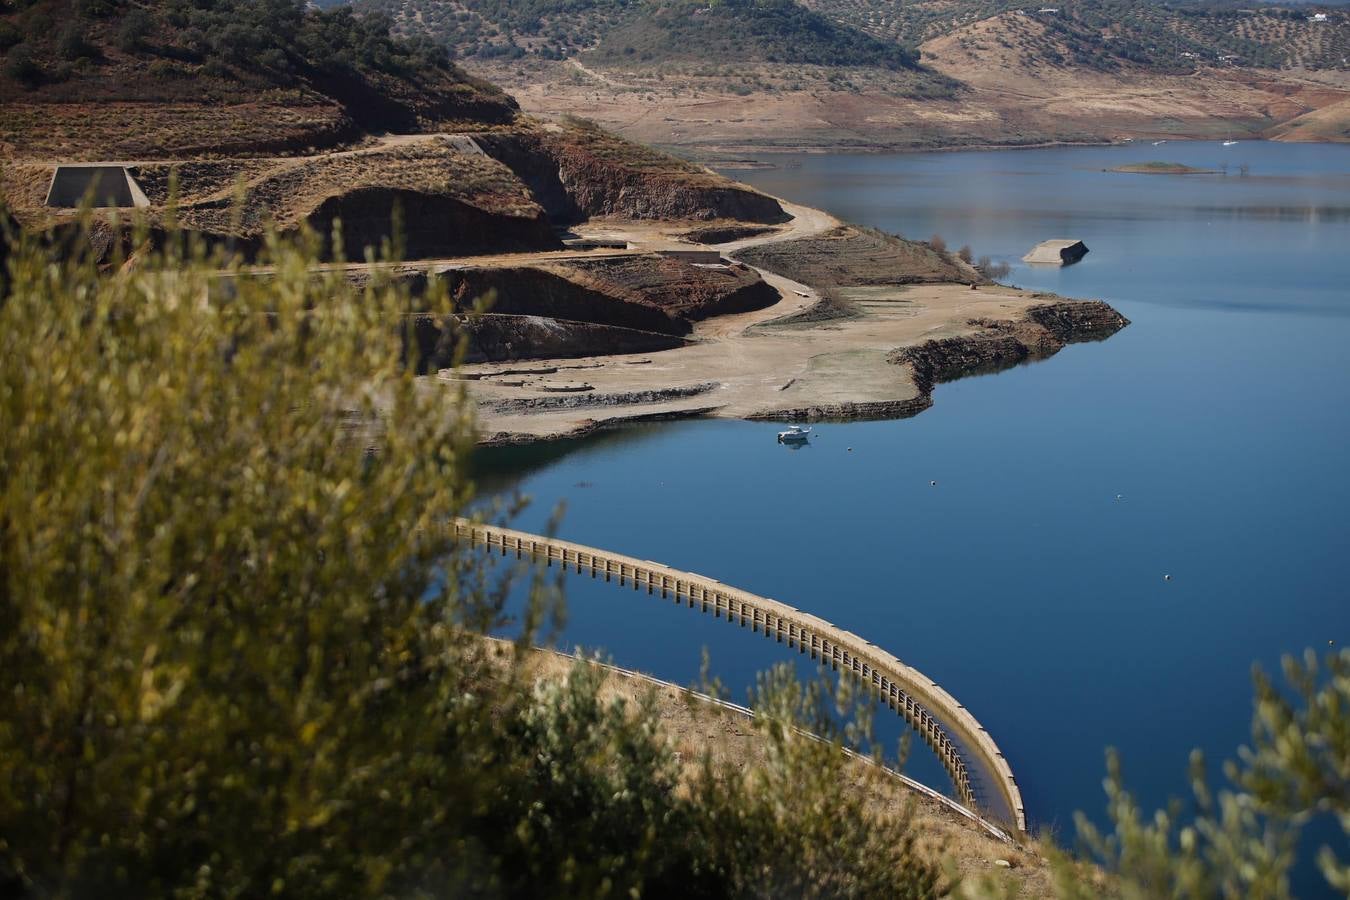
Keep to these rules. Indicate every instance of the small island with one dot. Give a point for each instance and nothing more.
(1161, 168)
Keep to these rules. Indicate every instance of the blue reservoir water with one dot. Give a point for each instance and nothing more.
(1208, 441)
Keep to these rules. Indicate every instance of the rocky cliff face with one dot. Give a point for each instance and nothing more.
(951, 358)
(580, 173)
(433, 226)
(1073, 322)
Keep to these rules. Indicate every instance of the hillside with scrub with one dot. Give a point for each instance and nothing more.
(1098, 34)
(645, 31)
(1103, 34)
(719, 78)
(260, 77)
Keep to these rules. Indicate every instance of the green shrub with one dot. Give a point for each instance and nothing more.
(241, 653)
(135, 28)
(21, 65)
(71, 43)
(9, 35)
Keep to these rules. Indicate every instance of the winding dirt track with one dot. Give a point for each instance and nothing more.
(806, 222)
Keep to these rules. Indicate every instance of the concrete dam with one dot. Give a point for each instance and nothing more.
(980, 775)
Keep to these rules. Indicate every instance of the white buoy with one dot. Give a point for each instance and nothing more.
(1167, 578)
(933, 483)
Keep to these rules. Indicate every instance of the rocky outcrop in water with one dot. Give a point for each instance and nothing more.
(1043, 332)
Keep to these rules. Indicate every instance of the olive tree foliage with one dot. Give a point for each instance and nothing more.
(240, 655)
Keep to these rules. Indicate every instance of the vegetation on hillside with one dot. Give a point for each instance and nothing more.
(1108, 34)
(85, 53)
(773, 31)
(240, 653)
(644, 32)
(248, 38)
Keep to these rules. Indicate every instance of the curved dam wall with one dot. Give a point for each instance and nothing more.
(961, 743)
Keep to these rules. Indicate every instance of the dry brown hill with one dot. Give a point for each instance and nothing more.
(254, 112)
(118, 79)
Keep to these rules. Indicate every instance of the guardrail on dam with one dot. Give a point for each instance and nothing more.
(933, 712)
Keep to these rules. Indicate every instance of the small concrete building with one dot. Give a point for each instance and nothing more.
(112, 187)
(595, 243)
(691, 254)
(1059, 252)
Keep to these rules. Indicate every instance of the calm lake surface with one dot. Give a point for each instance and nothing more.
(1221, 418)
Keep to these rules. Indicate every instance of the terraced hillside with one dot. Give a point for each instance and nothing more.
(113, 79)
(320, 117)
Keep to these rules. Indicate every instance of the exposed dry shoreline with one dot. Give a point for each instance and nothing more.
(1006, 105)
(902, 325)
(880, 363)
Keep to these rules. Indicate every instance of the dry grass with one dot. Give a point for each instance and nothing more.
(850, 256)
(612, 150)
(238, 196)
(287, 191)
(675, 287)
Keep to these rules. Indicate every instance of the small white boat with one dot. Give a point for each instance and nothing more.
(1229, 143)
(1158, 143)
(795, 434)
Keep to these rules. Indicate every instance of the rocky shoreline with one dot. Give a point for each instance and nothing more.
(988, 344)
(1001, 345)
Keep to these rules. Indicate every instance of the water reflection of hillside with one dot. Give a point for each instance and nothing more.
(497, 470)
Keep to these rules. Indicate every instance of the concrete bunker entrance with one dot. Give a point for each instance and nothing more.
(110, 187)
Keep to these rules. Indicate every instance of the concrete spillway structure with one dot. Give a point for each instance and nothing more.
(961, 743)
(107, 187)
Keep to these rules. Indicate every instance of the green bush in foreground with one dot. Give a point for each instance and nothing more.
(240, 655)
(241, 658)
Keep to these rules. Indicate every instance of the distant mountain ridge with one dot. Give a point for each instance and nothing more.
(1098, 34)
